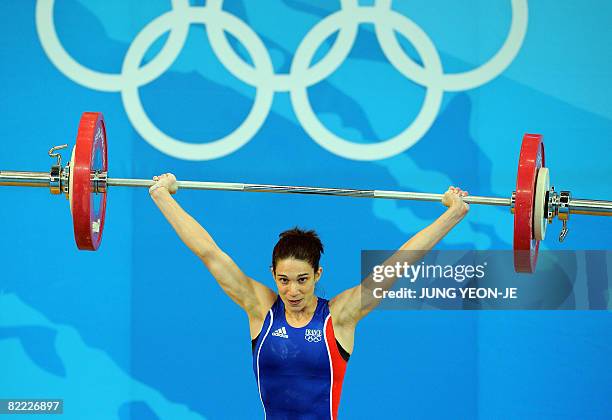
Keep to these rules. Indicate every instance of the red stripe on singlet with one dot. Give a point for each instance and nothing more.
(338, 368)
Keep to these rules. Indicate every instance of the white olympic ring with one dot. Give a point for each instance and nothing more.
(368, 151)
(267, 82)
(208, 150)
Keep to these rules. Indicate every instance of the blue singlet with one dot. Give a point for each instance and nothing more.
(299, 371)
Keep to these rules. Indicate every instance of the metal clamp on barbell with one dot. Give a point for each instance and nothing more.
(563, 212)
(559, 205)
(55, 175)
(65, 181)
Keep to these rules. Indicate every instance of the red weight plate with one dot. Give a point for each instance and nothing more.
(88, 207)
(525, 246)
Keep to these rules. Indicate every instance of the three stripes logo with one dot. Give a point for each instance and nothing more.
(281, 332)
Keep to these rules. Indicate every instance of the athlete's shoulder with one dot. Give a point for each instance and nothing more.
(277, 305)
(322, 306)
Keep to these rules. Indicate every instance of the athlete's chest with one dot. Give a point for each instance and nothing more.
(295, 351)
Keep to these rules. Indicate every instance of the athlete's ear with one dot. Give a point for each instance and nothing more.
(318, 274)
(272, 271)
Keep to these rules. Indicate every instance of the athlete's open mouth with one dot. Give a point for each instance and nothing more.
(294, 302)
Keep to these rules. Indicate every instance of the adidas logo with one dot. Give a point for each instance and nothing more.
(281, 332)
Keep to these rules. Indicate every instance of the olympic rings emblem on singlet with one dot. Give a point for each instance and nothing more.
(313, 336)
(261, 74)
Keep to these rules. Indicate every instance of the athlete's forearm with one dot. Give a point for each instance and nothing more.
(427, 238)
(355, 303)
(197, 239)
(419, 245)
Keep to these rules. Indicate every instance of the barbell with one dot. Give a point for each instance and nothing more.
(85, 182)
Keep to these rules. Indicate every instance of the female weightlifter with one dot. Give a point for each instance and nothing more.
(301, 342)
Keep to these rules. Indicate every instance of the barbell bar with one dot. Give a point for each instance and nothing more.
(85, 182)
(100, 182)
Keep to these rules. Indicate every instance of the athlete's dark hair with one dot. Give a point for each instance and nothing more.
(300, 244)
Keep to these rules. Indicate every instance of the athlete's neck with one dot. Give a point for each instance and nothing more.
(302, 316)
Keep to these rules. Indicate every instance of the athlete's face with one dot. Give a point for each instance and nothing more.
(296, 280)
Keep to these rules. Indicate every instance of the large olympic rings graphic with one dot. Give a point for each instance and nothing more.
(262, 76)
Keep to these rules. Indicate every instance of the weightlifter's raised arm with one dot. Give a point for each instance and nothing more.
(197, 239)
(252, 296)
(355, 303)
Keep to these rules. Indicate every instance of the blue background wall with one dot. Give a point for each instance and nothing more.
(140, 329)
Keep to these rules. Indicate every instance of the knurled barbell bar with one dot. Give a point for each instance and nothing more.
(84, 181)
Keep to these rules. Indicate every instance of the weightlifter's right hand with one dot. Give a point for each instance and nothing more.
(166, 181)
